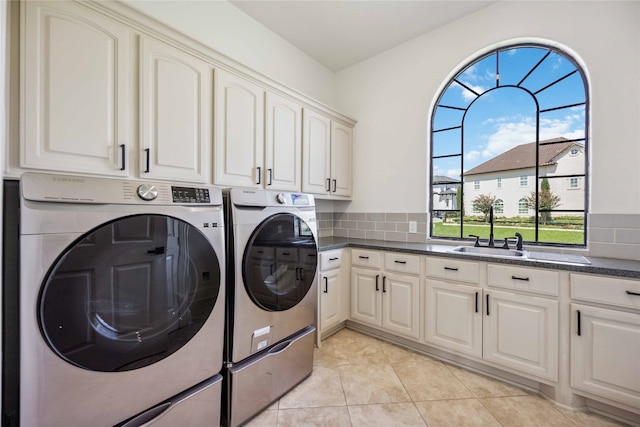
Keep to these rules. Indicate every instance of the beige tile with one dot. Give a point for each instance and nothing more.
(385, 415)
(316, 417)
(430, 380)
(395, 354)
(482, 386)
(583, 418)
(456, 412)
(322, 388)
(525, 411)
(267, 418)
(327, 356)
(371, 384)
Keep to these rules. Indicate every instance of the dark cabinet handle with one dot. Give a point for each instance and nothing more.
(524, 279)
(633, 293)
(384, 283)
(270, 172)
(377, 277)
(333, 259)
(286, 253)
(259, 175)
(363, 257)
(334, 185)
(579, 323)
(451, 268)
(157, 251)
(487, 304)
(147, 153)
(122, 155)
(326, 285)
(476, 302)
(400, 262)
(328, 184)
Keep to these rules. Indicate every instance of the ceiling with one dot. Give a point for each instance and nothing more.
(340, 33)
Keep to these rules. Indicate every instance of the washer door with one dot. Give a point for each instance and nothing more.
(129, 293)
(280, 262)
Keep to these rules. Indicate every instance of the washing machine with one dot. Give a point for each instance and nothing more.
(121, 302)
(272, 298)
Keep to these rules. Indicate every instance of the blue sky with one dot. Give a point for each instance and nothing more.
(501, 119)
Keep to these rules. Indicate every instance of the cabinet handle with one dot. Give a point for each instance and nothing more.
(524, 279)
(328, 184)
(377, 277)
(333, 259)
(286, 253)
(363, 257)
(633, 293)
(326, 285)
(259, 175)
(384, 283)
(579, 323)
(476, 302)
(451, 268)
(122, 156)
(334, 185)
(400, 262)
(147, 153)
(270, 172)
(487, 304)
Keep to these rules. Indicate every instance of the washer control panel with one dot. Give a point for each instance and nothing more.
(190, 195)
(147, 192)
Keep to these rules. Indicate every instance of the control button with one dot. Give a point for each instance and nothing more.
(280, 198)
(147, 192)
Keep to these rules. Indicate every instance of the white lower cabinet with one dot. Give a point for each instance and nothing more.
(332, 289)
(383, 298)
(521, 332)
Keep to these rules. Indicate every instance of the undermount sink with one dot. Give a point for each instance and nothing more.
(486, 251)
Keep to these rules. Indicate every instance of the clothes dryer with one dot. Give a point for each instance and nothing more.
(121, 300)
(272, 297)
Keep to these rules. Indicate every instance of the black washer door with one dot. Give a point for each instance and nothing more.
(129, 293)
(280, 262)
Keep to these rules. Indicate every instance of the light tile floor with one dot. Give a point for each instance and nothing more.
(361, 381)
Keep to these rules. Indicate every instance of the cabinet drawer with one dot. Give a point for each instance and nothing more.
(330, 259)
(606, 290)
(523, 279)
(402, 263)
(364, 258)
(453, 269)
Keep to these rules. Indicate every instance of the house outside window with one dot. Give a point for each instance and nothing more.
(493, 127)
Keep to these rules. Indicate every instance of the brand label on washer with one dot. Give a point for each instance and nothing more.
(262, 331)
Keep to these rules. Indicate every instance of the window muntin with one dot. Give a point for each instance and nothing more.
(528, 98)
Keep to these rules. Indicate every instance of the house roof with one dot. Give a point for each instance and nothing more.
(441, 179)
(524, 156)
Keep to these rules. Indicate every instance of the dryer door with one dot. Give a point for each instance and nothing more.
(280, 262)
(129, 293)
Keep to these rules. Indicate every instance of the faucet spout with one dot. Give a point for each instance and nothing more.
(491, 244)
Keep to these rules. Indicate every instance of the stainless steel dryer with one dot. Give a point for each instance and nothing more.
(121, 302)
(272, 298)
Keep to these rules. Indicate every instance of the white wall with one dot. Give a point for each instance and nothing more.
(228, 30)
(391, 96)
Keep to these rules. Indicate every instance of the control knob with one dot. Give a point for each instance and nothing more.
(281, 199)
(147, 192)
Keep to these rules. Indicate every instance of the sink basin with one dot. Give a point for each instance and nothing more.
(493, 252)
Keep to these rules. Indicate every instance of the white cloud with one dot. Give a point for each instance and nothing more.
(453, 173)
(469, 96)
(471, 156)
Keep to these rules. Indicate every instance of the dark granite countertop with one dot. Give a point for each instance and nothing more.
(603, 266)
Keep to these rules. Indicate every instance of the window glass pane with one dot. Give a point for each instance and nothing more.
(567, 158)
(445, 118)
(563, 228)
(448, 167)
(558, 194)
(567, 92)
(479, 77)
(567, 122)
(554, 67)
(456, 96)
(516, 63)
(447, 142)
(445, 224)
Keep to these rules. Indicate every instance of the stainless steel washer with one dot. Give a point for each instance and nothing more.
(272, 298)
(121, 301)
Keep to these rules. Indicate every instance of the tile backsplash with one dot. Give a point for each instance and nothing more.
(608, 235)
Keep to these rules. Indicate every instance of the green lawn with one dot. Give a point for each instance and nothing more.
(546, 235)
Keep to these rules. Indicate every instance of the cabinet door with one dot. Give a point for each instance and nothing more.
(341, 159)
(316, 152)
(239, 134)
(330, 301)
(366, 290)
(453, 317)
(521, 332)
(76, 98)
(176, 113)
(401, 304)
(597, 368)
(283, 144)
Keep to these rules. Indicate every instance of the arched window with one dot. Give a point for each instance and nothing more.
(499, 207)
(514, 119)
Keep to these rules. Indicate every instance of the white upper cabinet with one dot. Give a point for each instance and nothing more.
(239, 132)
(327, 156)
(176, 113)
(75, 90)
(283, 144)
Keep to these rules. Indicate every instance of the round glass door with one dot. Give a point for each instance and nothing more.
(280, 262)
(129, 293)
